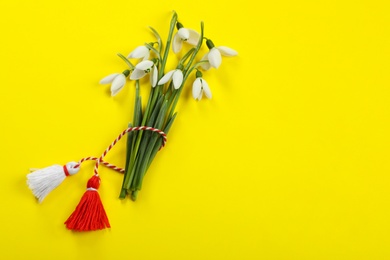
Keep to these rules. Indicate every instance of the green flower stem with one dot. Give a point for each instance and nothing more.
(129, 146)
(131, 140)
(186, 56)
(136, 156)
(159, 141)
(131, 66)
(167, 47)
(147, 141)
(163, 62)
(154, 151)
(157, 37)
(154, 137)
(131, 169)
(154, 50)
(169, 91)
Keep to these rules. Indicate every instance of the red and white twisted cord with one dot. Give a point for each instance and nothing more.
(127, 130)
(111, 166)
(107, 164)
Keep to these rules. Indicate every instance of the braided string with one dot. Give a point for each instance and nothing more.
(111, 166)
(107, 164)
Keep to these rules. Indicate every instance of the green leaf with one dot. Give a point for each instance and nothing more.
(145, 160)
(158, 144)
(144, 143)
(131, 149)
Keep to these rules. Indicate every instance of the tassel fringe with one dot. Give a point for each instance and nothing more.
(43, 181)
(89, 214)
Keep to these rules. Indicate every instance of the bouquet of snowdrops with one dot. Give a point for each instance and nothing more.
(165, 90)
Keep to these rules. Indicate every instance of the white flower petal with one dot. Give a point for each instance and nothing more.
(115, 91)
(215, 58)
(138, 52)
(146, 56)
(166, 77)
(144, 65)
(200, 95)
(226, 51)
(183, 33)
(154, 76)
(177, 79)
(194, 37)
(109, 78)
(205, 65)
(117, 84)
(177, 43)
(137, 74)
(206, 89)
(196, 89)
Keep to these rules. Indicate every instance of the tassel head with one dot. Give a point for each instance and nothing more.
(43, 181)
(71, 168)
(89, 214)
(93, 183)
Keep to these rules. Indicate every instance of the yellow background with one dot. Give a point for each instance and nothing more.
(289, 160)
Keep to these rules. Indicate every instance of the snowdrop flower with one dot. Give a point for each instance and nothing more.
(176, 76)
(214, 55)
(139, 52)
(117, 80)
(199, 87)
(184, 35)
(143, 68)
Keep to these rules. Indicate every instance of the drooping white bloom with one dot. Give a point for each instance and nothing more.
(176, 76)
(184, 35)
(214, 55)
(199, 87)
(117, 80)
(143, 68)
(139, 52)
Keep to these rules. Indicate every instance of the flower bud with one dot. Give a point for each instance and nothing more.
(179, 25)
(210, 44)
(126, 73)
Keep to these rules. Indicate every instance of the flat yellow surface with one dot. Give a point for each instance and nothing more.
(289, 160)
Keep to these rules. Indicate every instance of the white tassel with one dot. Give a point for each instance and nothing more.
(43, 181)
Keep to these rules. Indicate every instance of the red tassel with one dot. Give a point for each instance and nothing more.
(89, 214)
